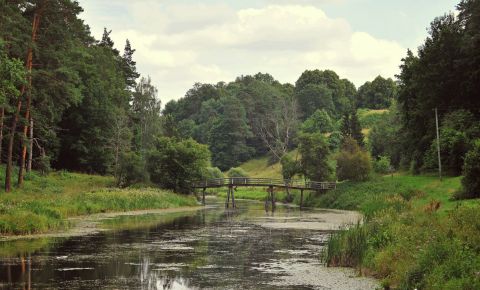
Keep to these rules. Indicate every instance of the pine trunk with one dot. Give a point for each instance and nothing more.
(2, 114)
(13, 127)
(23, 153)
(30, 148)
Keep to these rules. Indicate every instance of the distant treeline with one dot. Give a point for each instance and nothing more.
(78, 103)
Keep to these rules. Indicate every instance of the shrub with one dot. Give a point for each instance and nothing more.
(352, 162)
(214, 172)
(313, 150)
(382, 165)
(471, 171)
(237, 172)
(290, 167)
(131, 170)
(174, 163)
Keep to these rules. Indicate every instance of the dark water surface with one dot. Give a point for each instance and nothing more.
(210, 248)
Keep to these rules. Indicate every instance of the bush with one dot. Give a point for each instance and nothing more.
(131, 170)
(174, 163)
(471, 171)
(352, 162)
(214, 172)
(313, 150)
(237, 172)
(290, 167)
(382, 165)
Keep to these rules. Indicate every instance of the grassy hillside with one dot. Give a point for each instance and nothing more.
(414, 235)
(45, 203)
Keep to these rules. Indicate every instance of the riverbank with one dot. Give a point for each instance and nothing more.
(414, 236)
(46, 203)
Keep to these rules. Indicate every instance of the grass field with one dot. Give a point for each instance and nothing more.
(45, 203)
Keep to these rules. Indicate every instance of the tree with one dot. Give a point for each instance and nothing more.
(319, 121)
(228, 135)
(28, 65)
(457, 131)
(313, 150)
(471, 172)
(174, 163)
(385, 137)
(131, 170)
(107, 42)
(12, 76)
(324, 90)
(145, 111)
(377, 94)
(444, 75)
(277, 128)
(352, 162)
(129, 66)
(351, 128)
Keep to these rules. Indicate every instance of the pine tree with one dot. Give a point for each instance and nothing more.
(129, 66)
(108, 42)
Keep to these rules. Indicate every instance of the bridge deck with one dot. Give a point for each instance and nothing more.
(262, 182)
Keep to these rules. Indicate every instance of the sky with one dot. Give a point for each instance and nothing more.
(181, 42)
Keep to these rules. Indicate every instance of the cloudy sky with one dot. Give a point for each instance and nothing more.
(180, 42)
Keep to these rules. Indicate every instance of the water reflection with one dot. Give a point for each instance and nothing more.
(211, 248)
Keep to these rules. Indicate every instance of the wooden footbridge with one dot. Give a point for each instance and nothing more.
(234, 182)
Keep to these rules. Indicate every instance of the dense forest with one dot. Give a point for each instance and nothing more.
(69, 101)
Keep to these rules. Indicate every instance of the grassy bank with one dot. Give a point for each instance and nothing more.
(413, 237)
(45, 203)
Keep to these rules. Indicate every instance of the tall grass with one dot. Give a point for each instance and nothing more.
(413, 237)
(45, 203)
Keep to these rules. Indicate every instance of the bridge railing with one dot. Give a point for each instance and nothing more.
(248, 181)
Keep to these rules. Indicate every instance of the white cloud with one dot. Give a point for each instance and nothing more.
(180, 44)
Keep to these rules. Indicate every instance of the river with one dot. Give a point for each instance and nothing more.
(212, 248)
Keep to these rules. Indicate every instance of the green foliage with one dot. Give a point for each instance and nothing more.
(313, 150)
(334, 140)
(403, 241)
(174, 163)
(324, 90)
(228, 135)
(471, 171)
(457, 131)
(385, 138)
(369, 118)
(214, 172)
(12, 76)
(444, 75)
(382, 165)
(290, 167)
(377, 94)
(351, 128)
(132, 170)
(352, 162)
(237, 172)
(319, 121)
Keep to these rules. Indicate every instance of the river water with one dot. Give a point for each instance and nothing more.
(212, 248)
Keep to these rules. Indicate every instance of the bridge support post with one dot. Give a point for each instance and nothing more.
(227, 203)
(232, 190)
(230, 194)
(270, 198)
(301, 198)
